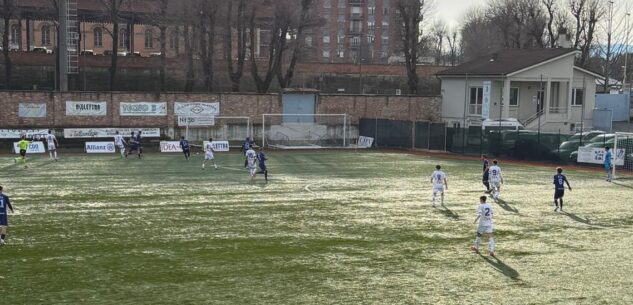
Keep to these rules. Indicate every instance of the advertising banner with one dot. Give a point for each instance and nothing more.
(109, 132)
(143, 109)
(100, 147)
(17, 133)
(34, 148)
(196, 109)
(196, 121)
(596, 156)
(86, 108)
(170, 147)
(32, 110)
(218, 146)
(485, 100)
(365, 142)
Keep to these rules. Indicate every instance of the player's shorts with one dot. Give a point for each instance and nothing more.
(134, 147)
(495, 184)
(262, 166)
(121, 147)
(559, 194)
(481, 229)
(3, 220)
(438, 189)
(23, 152)
(252, 170)
(52, 147)
(3, 230)
(208, 156)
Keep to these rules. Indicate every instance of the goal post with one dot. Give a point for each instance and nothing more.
(305, 131)
(234, 129)
(623, 155)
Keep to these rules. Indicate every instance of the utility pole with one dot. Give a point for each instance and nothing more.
(626, 54)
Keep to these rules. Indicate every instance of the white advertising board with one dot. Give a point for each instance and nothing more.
(109, 132)
(218, 146)
(196, 109)
(143, 109)
(596, 156)
(32, 110)
(36, 147)
(365, 142)
(17, 133)
(170, 147)
(196, 121)
(100, 147)
(85, 108)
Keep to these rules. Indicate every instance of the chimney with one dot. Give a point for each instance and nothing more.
(564, 39)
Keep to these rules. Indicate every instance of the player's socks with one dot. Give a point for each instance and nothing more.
(2, 236)
(442, 199)
(477, 242)
(491, 245)
(50, 154)
(266, 175)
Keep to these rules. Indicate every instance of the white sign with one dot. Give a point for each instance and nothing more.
(170, 146)
(485, 100)
(86, 108)
(196, 109)
(143, 109)
(18, 133)
(365, 142)
(194, 121)
(100, 147)
(34, 148)
(218, 146)
(596, 155)
(109, 132)
(32, 110)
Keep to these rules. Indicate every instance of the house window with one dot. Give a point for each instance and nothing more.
(123, 39)
(476, 98)
(149, 39)
(327, 4)
(173, 40)
(341, 3)
(15, 34)
(46, 35)
(514, 96)
(577, 97)
(97, 36)
(326, 37)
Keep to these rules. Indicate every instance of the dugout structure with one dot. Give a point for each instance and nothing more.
(305, 131)
(623, 148)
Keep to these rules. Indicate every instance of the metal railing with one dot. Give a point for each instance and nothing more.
(533, 118)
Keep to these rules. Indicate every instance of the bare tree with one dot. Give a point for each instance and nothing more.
(453, 44)
(439, 32)
(595, 11)
(578, 11)
(550, 8)
(8, 12)
(241, 33)
(112, 13)
(412, 14)
(189, 35)
(278, 30)
(162, 26)
(206, 34)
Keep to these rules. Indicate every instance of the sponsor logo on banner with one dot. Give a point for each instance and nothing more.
(170, 146)
(32, 110)
(365, 142)
(34, 148)
(100, 147)
(485, 100)
(596, 155)
(86, 108)
(109, 132)
(143, 109)
(18, 133)
(196, 109)
(193, 121)
(218, 146)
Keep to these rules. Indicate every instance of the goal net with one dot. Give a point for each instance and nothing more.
(305, 131)
(623, 156)
(220, 128)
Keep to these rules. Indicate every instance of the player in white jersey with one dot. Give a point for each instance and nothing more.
(208, 154)
(438, 178)
(251, 162)
(52, 143)
(484, 217)
(120, 142)
(496, 180)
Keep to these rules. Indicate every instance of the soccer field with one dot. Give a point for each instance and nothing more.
(329, 228)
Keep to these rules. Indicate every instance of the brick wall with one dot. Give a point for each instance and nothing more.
(252, 105)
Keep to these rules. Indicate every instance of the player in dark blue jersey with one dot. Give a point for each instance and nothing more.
(486, 175)
(139, 138)
(186, 148)
(261, 160)
(4, 204)
(559, 186)
(248, 144)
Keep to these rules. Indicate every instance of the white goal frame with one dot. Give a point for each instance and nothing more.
(343, 115)
(618, 136)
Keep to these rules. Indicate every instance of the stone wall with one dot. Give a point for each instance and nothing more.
(251, 105)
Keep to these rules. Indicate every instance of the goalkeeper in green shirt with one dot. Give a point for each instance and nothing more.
(23, 146)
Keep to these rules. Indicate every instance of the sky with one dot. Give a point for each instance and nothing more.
(452, 11)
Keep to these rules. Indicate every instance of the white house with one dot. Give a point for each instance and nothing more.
(523, 78)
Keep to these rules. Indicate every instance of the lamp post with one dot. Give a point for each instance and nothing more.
(626, 54)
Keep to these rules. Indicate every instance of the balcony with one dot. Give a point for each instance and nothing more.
(355, 31)
(356, 16)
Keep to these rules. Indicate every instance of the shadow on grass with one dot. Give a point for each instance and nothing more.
(504, 205)
(576, 218)
(501, 267)
(448, 213)
(622, 184)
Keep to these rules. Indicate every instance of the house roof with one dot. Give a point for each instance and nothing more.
(506, 62)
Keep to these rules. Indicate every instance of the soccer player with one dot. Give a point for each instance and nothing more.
(251, 158)
(138, 141)
(208, 154)
(4, 204)
(186, 148)
(52, 143)
(484, 217)
(134, 145)
(261, 160)
(559, 180)
(496, 180)
(608, 166)
(120, 142)
(438, 178)
(245, 147)
(486, 174)
(23, 146)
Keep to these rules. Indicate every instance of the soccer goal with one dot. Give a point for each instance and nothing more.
(222, 128)
(623, 156)
(305, 131)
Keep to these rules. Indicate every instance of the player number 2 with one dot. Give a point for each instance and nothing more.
(487, 212)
